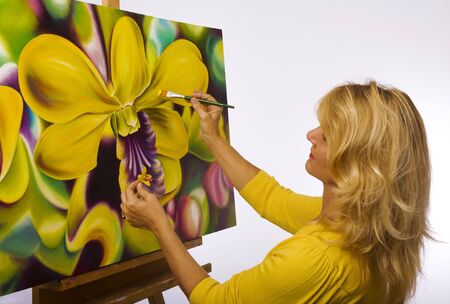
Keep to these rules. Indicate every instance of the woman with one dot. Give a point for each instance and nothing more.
(359, 243)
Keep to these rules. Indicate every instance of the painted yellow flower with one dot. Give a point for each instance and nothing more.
(13, 163)
(29, 208)
(145, 178)
(14, 179)
(63, 87)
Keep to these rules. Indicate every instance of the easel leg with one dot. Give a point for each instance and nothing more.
(156, 299)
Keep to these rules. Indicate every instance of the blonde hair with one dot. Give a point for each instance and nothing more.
(378, 158)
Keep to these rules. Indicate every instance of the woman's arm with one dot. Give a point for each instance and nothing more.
(237, 169)
(290, 272)
(142, 209)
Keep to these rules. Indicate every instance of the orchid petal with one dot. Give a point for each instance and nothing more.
(11, 108)
(51, 226)
(179, 69)
(156, 184)
(55, 191)
(171, 135)
(172, 178)
(125, 121)
(59, 82)
(108, 17)
(139, 155)
(14, 184)
(51, 229)
(139, 241)
(158, 35)
(77, 209)
(152, 58)
(89, 35)
(100, 224)
(196, 145)
(49, 222)
(129, 70)
(66, 151)
(9, 268)
(11, 214)
(58, 259)
(12, 241)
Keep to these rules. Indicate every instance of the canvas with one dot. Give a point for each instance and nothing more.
(81, 117)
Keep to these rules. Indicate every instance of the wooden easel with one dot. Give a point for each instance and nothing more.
(144, 277)
(111, 3)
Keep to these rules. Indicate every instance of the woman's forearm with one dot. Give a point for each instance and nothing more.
(237, 168)
(186, 270)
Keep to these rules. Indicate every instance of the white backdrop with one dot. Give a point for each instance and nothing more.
(280, 58)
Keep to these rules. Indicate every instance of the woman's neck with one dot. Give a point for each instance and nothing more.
(327, 201)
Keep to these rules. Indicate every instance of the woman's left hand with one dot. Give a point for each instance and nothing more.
(142, 209)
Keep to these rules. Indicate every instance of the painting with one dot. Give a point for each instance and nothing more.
(81, 117)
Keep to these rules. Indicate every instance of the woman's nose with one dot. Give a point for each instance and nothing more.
(310, 136)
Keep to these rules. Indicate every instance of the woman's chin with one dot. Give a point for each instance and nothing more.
(308, 167)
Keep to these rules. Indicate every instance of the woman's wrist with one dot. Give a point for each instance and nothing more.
(161, 227)
(213, 139)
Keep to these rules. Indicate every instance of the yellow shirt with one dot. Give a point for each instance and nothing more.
(304, 268)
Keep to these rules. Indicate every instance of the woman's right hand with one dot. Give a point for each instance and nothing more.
(238, 169)
(209, 116)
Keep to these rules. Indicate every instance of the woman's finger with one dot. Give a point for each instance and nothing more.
(143, 192)
(133, 185)
(130, 193)
(214, 110)
(200, 94)
(124, 210)
(199, 108)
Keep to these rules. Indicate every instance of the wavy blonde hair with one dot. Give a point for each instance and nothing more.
(378, 158)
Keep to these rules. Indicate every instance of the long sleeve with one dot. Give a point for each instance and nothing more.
(280, 205)
(301, 269)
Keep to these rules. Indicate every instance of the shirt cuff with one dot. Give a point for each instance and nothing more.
(198, 294)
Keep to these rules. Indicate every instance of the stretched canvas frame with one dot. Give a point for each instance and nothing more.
(81, 117)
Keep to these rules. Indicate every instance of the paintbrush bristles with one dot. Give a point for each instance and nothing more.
(170, 94)
(162, 93)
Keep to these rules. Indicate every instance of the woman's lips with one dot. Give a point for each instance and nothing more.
(311, 156)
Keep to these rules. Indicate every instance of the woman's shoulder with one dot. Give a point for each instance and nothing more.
(311, 258)
(329, 243)
(312, 243)
(349, 266)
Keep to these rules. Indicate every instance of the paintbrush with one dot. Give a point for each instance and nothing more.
(170, 94)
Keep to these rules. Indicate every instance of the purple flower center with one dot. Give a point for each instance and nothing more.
(140, 156)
